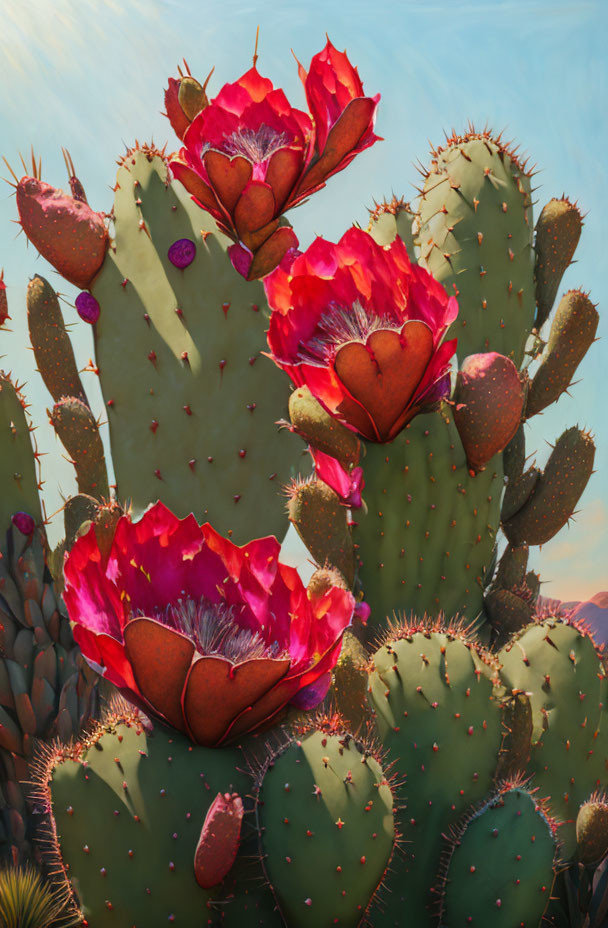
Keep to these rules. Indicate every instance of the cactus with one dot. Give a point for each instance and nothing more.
(149, 792)
(473, 230)
(196, 367)
(26, 901)
(416, 474)
(559, 666)
(325, 813)
(439, 720)
(501, 862)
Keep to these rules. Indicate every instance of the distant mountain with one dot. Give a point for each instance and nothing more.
(593, 611)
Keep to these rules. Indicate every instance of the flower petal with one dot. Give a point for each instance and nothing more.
(217, 691)
(254, 208)
(228, 176)
(383, 374)
(272, 252)
(342, 140)
(160, 658)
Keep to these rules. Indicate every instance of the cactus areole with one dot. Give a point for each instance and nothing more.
(212, 638)
(362, 328)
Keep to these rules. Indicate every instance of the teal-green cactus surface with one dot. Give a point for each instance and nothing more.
(128, 813)
(439, 719)
(191, 401)
(500, 870)
(327, 832)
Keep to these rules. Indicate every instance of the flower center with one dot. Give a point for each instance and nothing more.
(215, 631)
(257, 145)
(339, 326)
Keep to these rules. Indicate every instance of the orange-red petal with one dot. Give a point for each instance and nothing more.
(228, 176)
(383, 374)
(160, 658)
(217, 691)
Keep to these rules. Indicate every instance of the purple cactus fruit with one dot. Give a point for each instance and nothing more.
(182, 252)
(219, 841)
(87, 307)
(24, 522)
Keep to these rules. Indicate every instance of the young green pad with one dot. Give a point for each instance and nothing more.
(500, 869)
(327, 831)
(192, 403)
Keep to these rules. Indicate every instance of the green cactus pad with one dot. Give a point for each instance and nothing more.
(128, 812)
(556, 492)
(440, 721)
(572, 333)
(557, 233)
(192, 404)
(51, 343)
(507, 612)
(321, 522)
(592, 829)
(349, 684)
(557, 664)
(327, 830)
(518, 492)
(512, 567)
(499, 871)
(475, 237)
(18, 475)
(78, 431)
(323, 431)
(391, 218)
(428, 537)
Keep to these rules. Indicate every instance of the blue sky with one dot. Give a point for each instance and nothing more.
(89, 74)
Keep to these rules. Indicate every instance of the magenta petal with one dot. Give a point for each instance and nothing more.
(310, 696)
(240, 258)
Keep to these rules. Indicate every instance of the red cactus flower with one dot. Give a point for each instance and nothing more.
(362, 328)
(249, 155)
(212, 638)
(3, 301)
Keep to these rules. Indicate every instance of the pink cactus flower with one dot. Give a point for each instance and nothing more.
(212, 638)
(363, 329)
(249, 155)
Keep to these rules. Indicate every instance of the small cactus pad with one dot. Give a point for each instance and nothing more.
(499, 869)
(78, 430)
(440, 721)
(557, 664)
(556, 492)
(572, 332)
(557, 233)
(324, 432)
(128, 811)
(51, 343)
(489, 401)
(18, 468)
(321, 522)
(390, 219)
(327, 832)
(192, 404)
(592, 829)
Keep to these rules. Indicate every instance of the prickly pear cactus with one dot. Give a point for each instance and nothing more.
(134, 862)
(191, 402)
(432, 526)
(327, 832)
(500, 864)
